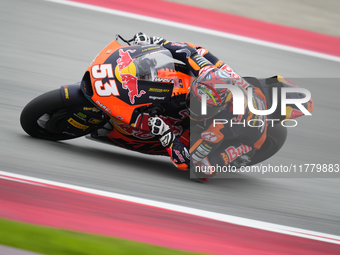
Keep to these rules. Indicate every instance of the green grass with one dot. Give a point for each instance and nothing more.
(53, 241)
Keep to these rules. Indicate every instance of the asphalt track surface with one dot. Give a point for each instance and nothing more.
(45, 45)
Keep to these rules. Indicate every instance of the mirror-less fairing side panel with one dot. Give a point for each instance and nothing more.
(80, 116)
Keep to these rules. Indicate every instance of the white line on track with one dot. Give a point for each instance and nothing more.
(22, 181)
(199, 30)
(181, 209)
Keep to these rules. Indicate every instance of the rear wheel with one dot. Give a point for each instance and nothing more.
(41, 116)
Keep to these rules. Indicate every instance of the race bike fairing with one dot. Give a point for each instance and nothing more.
(122, 79)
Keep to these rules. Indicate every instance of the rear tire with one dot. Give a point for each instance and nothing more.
(48, 107)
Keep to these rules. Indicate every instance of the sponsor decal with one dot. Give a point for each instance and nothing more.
(255, 103)
(79, 117)
(254, 120)
(77, 124)
(105, 108)
(94, 121)
(227, 68)
(179, 155)
(156, 98)
(203, 151)
(219, 64)
(225, 158)
(158, 79)
(209, 136)
(201, 61)
(234, 153)
(67, 96)
(93, 109)
(202, 51)
(80, 114)
(178, 44)
(158, 90)
(151, 48)
(201, 92)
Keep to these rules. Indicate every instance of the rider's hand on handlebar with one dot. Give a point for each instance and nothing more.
(159, 128)
(143, 39)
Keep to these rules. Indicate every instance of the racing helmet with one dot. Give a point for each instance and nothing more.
(217, 99)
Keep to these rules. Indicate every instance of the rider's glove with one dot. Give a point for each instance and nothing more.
(143, 39)
(157, 40)
(159, 128)
(241, 161)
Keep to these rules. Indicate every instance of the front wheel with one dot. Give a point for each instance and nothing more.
(41, 116)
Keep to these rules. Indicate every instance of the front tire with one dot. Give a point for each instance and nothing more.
(40, 117)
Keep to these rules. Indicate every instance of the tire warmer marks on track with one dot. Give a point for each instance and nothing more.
(224, 22)
(79, 211)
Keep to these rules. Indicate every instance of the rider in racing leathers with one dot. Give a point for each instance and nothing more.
(217, 144)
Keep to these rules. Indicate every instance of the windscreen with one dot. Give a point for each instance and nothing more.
(148, 64)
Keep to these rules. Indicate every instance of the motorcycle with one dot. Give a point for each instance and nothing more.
(121, 88)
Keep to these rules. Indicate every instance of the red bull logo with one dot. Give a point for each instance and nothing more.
(125, 59)
(128, 80)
